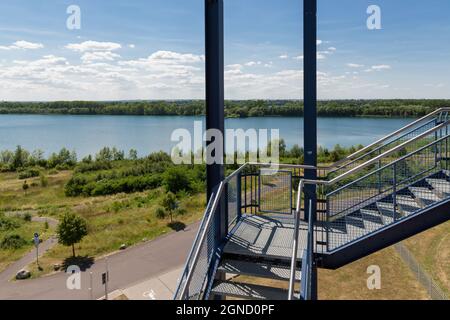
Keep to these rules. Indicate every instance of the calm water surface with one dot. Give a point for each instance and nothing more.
(87, 134)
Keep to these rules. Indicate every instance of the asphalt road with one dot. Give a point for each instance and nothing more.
(131, 266)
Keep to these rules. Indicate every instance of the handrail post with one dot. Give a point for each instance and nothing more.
(394, 191)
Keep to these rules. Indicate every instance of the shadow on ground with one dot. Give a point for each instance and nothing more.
(176, 226)
(83, 262)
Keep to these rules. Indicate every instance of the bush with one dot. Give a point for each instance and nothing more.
(160, 213)
(12, 241)
(93, 166)
(7, 224)
(176, 179)
(30, 173)
(180, 211)
(44, 181)
(27, 217)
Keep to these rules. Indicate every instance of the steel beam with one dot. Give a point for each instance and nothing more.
(310, 109)
(214, 66)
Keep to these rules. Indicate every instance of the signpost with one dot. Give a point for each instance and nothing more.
(36, 244)
(105, 279)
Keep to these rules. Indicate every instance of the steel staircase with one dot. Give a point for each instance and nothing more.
(382, 194)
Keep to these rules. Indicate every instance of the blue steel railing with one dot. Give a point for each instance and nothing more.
(242, 192)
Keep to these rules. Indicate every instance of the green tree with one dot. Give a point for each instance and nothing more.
(176, 179)
(20, 158)
(170, 204)
(71, 230)
(25, 186)
(133, 154)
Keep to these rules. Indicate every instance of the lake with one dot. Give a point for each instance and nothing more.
(87, 134)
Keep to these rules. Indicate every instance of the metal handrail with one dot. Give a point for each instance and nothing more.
(378, 148)
(379, 157)
(307, 262)
(196, 254)
(295, 241)
(194, 244)
(386, 138)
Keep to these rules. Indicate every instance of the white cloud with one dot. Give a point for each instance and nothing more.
(355, 65)
(23, 45)
(319, 42)
(284, 56)
(381, 67)
(93, 46)
(99, 56)
(253, 63)
(132, 46)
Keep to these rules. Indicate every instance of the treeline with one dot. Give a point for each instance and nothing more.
(233, 109)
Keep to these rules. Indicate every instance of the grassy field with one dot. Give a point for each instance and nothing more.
(432, 250)
(350, 282)
(112, 220)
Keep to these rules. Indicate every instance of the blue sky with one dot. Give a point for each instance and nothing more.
(153, 49)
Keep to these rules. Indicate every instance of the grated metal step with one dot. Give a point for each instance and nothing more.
(247, 291)
(253, 269)
(425, 195)
(407, 204)
(441, 187)
(387, 212)
(371, 217)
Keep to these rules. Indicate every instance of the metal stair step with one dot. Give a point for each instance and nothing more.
(441, 186)
(371, 216)
(248, 291)
(425, 195)
(387, 212)
(446, 172)
(407, 204)
(262, 270)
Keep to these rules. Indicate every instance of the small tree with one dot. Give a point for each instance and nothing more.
(25, 186)
(71, 230)
(170, 204)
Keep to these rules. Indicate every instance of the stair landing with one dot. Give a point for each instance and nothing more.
(266, 236)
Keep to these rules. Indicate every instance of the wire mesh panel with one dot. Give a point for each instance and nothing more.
(410, 183)
(395, 141)
(233, 200)
(275, 191)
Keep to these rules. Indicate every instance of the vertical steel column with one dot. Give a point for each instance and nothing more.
(310, 111)
(214, 87)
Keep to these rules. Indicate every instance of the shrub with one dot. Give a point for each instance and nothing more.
(7, 224)
(160, 213)
(25, 186)
(30, 173)
(180, 211)
(27, 217)
(93, 166)
(44, 181)
(176, 179)
(12, 241)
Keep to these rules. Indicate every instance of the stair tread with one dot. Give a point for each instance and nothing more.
(424, 193)
(248, 291)
(371, 216)
(387, 212)
(440, 185)
(262, 270)
(407, 204)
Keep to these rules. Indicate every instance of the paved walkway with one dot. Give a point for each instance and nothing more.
(30, 257)
(133, 266)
